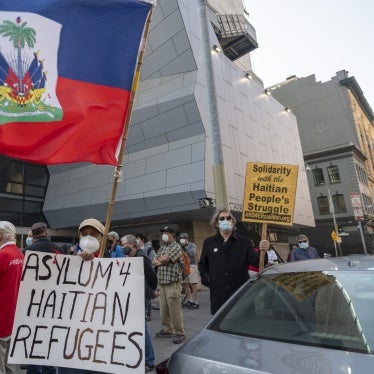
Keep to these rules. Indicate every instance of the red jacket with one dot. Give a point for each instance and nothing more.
(11, 263)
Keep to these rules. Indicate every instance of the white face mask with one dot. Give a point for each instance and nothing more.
(28, 241)
(89, 244)
(137, 241)
(225, 225)
(165, 237)
(182, 241)
(304, 245)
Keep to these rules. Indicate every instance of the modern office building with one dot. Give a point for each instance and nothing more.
(167, 172)
(337, 137)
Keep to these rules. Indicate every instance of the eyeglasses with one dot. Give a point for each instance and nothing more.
(124, 243)
(228, 218)
(303, 241)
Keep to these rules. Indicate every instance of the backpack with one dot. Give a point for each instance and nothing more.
(186, 270)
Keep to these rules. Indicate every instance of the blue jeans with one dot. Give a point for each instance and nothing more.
(149, 352)
(148, 307)
(39, 369)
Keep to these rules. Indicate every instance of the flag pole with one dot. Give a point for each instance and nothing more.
(118, 168)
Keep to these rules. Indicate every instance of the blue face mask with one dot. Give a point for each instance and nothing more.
(225, 225)
(28, 241)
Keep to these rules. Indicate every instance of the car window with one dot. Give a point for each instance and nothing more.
(325, 309)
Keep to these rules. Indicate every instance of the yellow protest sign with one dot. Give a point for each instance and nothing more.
(269, 195)
(303, 284)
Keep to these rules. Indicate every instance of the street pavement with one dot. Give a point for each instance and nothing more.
(194, 321)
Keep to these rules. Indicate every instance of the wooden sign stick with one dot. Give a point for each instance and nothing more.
(262, 253)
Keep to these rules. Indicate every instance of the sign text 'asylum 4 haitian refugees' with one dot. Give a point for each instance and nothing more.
(81, 314)
(269, 195)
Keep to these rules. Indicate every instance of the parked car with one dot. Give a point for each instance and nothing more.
(314, 316)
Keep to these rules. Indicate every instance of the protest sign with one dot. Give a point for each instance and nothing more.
(269, 195)
(80, 314)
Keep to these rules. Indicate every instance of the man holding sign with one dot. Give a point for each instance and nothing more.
(80, 316)
(225, 259)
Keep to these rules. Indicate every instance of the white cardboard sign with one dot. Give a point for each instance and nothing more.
(80, 314)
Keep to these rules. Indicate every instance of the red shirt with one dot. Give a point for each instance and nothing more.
(11, 263)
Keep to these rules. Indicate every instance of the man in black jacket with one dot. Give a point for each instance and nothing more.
(41, 242)
(225, 258)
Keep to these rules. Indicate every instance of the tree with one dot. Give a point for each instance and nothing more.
(19, 35)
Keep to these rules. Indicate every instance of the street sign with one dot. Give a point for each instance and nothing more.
(335, 237)
(357, 206)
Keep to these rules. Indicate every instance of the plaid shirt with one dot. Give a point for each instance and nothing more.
(172, 272)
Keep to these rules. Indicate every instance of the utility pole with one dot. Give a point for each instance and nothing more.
(220, 187)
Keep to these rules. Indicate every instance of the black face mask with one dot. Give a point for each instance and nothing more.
(126, 250)
(110, 242)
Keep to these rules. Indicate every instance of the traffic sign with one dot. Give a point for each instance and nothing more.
(357, 206)
(335, 237)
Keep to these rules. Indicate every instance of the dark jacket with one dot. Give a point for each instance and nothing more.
(223, 266)
(150, 276)
(45, 245)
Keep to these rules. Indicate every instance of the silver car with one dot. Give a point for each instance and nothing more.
(314, 316)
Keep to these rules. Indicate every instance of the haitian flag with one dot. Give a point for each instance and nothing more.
(66, 73)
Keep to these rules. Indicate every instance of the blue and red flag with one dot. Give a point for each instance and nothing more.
(66, 73)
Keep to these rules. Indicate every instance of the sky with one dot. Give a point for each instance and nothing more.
(320, 37)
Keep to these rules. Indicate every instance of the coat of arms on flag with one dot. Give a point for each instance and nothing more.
(66, 74)
(28, 63)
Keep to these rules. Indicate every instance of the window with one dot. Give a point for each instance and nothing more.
(328, 309)
(362, 177)
(319, 179)
(333, 173)
(323, 205)
(339, 203)
(22, 190)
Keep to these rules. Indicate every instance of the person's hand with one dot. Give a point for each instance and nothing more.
(156, 262)
(87, 256)
(264, 245)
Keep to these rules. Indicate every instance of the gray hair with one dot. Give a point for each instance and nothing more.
(8, 230)
(302, 237)
(214, 220)
(114, 235)
(129, 239)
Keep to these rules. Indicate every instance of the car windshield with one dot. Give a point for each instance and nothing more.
(325, 309)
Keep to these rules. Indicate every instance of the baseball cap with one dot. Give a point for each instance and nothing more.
(168, 229)
(92, 222)
(38, 228)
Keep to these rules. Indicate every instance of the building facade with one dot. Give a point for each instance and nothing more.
(167, 170)
(336, 130)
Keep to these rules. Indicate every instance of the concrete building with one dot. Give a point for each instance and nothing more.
(167, 172)
(337, 136)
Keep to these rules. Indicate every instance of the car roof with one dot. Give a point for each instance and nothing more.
(346, 263)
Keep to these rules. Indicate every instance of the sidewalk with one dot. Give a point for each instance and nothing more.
(194, 321)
